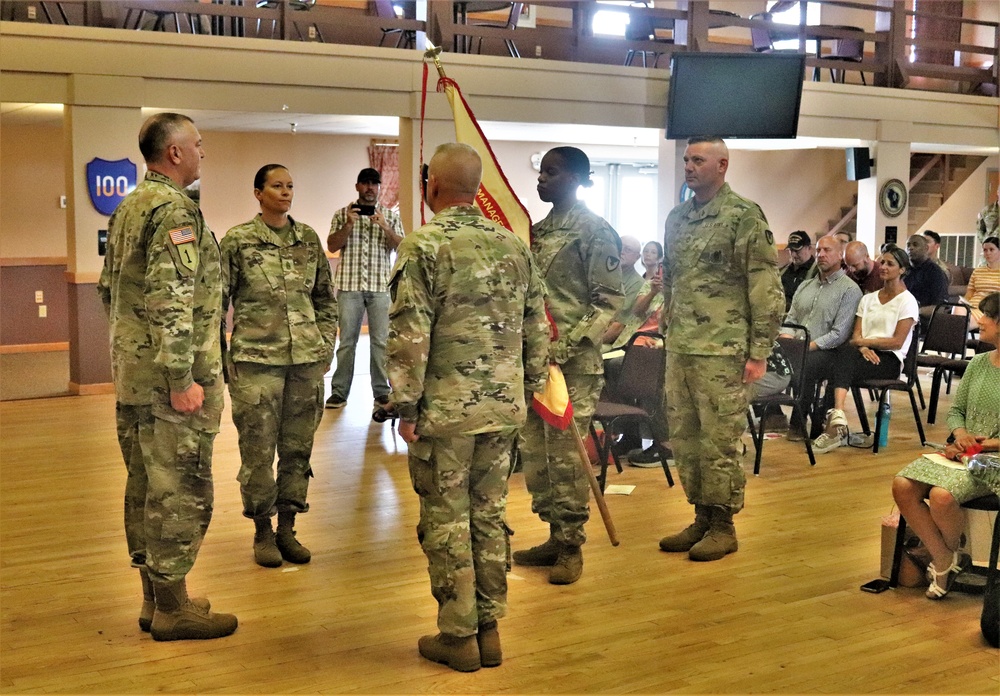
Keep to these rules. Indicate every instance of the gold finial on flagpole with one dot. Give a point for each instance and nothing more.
(433, 53)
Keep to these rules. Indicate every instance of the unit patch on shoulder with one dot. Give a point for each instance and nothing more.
(768, 236)
(613, 262)
(186, 249)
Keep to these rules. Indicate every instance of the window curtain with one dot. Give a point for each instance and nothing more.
(384, 157)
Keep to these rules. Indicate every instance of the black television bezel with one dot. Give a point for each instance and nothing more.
(677, 77)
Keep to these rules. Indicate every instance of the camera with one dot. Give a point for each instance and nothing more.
(365, 210)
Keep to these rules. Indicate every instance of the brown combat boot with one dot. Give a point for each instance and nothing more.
(461, 654)
(265, 549)
(720, 539)
(544, 554)
(177, 618)
(290, 548)
(568, 566)
(488, 638)
(683, 541)
(149, 601)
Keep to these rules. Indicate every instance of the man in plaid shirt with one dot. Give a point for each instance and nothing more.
(366, 234)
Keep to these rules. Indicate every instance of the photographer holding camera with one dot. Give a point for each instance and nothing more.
(366, 234)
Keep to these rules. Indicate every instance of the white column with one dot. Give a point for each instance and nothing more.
(891, 153)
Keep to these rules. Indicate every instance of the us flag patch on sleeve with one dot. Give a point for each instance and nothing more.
(182, 235)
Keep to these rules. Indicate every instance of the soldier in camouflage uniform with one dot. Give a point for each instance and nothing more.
(577, 254)
(467, 338)
(284, 327)
(162, 289)
(723, 303)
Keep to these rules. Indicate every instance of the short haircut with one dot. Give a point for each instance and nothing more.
(932, 235)
(260, 178)
(990, 306)
(157, 132)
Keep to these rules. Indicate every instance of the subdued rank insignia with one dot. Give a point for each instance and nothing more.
(768, 236)
(187, 251)
(613, 262)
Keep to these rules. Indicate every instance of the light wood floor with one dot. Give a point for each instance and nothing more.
(783, 615)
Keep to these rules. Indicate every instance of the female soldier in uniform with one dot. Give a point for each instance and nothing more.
(577, 253)
(277, 278)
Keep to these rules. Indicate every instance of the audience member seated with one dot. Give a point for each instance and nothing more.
(985, 279)
(925, 281)
(864, 271)
(826, 305)
(953, 272)
(877, 349)
(801, 253)
(631, 283)
(929, 493)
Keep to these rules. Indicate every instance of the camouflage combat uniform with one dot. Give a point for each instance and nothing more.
(723, 303)
(162, 289)
(578, 256)
(284, 328)
(467, 337)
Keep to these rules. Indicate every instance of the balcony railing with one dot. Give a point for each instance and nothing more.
(880, 57)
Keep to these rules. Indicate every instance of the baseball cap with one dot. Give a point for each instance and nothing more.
(798, 239)
(369, 175)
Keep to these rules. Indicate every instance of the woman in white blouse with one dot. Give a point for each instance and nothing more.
(877, 349)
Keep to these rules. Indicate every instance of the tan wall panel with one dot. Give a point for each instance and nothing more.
(31, 222)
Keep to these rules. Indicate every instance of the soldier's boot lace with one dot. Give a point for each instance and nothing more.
(289, 547)
(488, 638)
(265, 549)
(568, 566)
(178, 618)
(691, 535)
(459, 653)
(149, 601)
(544, 554)
(720, 539)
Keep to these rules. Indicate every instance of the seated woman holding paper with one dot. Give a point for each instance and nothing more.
(974, 420)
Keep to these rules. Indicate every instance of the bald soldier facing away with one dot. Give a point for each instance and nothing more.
(467, 337)
(162, 289)
(723, 302)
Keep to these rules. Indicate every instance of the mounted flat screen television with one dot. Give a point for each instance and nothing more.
(735, 95)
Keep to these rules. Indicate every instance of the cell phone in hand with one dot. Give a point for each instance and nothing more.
(366, 210)
(875, 586)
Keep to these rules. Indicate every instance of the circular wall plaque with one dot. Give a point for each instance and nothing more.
(892, 197)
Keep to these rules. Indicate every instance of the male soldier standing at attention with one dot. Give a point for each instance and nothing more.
(468, 338)
(723, 303)
(162, 289)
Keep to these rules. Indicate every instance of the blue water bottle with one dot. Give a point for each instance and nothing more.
(883, 431)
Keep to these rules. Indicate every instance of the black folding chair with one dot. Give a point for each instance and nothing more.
(944, 342)
(794, 349)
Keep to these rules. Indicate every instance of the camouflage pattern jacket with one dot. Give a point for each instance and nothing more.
(722, 293)
(467, 328)
(162, 289)
(578, 256)
(284, 309)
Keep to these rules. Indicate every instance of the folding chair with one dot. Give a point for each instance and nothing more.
(639, 382)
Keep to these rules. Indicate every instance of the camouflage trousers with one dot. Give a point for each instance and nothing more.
(462, 484)
(276, 408)
(706, 413)
(168, 491)
(560, 490)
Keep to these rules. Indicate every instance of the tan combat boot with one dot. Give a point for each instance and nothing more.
(461, 654)
(290, 548)
(720, 539)
(488, 638)
(265, 549)
(568, 566)
(683, 541)
(177, 618)
(149, 601)
(544, 554)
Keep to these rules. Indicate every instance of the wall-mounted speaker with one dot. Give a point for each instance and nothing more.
(859, 163)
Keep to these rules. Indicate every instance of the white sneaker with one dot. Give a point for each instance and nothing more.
(835, 416)
(834, 437)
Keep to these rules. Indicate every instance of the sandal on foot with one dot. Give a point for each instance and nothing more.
(936, 589)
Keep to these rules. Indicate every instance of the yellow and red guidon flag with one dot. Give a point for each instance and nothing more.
(498, 202)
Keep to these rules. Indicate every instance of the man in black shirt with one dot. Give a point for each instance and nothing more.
(801, 251)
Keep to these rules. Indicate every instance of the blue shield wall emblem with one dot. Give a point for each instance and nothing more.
(109, 182)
